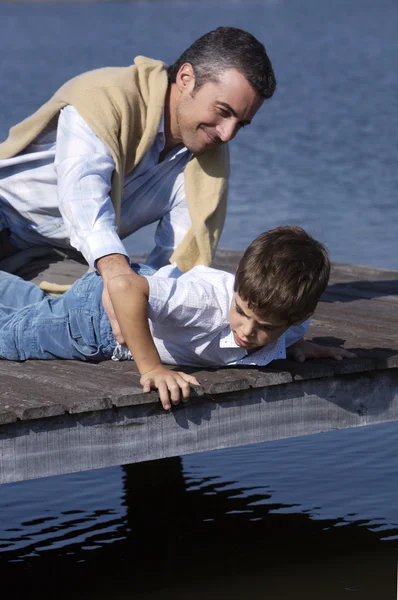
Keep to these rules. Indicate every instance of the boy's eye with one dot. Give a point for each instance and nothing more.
(267, 328)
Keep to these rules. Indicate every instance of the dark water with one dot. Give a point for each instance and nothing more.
(313, 517)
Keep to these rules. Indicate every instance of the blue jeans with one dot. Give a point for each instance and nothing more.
(72, 326)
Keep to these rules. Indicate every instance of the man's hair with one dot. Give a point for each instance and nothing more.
(283, 273)
(228, 48)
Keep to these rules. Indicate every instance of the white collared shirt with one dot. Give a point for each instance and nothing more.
(56, 192)
(188, 317)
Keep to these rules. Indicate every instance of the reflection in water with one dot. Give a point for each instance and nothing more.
(177, 527)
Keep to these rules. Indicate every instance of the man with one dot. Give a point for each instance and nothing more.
(118, 148)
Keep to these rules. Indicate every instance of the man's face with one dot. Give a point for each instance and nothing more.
(252, 332)
(215, 112)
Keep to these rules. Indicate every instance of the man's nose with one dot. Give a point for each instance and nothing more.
(227, 130)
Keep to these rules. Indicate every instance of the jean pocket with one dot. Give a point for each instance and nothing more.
(83, 326)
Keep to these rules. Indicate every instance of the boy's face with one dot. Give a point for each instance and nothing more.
(252, 332)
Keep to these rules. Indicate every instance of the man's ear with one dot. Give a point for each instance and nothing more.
(185, 78)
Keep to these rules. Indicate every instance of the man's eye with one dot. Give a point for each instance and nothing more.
(223, 113)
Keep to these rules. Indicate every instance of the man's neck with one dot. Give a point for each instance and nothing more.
(171, 130)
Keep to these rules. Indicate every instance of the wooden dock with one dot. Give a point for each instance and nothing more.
(62, 416)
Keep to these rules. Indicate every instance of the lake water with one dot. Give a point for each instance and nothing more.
(313, 517)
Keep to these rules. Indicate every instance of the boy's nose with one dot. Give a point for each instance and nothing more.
(248, 329)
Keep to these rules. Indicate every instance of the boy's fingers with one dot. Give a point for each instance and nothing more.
(146, 386)
(173, 384)
(182, 388)
(164, 395)
(186, 381)
(192, 379)
(174, 388)
(340, 354)
(187, 377)
(298, 355)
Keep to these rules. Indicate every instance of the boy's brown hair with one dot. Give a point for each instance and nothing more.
(283, 273)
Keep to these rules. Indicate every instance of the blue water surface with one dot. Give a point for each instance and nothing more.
(311, 517)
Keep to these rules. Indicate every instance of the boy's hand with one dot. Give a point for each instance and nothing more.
(171, 385)
(302, 350)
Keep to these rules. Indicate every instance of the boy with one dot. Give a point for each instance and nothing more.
(204, 317)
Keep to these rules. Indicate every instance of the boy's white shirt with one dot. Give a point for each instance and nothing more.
(188, 317)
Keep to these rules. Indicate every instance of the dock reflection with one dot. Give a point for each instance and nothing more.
(181, 535)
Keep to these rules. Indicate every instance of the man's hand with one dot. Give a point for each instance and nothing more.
(171, 385)
(106, 301)
(302, 350)
(110, 266)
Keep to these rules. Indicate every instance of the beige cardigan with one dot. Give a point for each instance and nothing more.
(123, 106)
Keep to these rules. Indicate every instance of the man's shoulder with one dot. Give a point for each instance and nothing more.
(113, 76)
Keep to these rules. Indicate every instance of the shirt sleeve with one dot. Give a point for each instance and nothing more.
(84, 168)
(296, 332)
(171, 229)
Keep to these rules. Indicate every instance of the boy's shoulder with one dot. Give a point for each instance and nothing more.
(199, 287)
(197, 273)
(193, 298)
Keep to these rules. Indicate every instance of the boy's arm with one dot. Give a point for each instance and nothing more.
(129, 296)
(303, 349)
(299, 349)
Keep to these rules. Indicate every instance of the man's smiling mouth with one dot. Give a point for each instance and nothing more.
(211, 140)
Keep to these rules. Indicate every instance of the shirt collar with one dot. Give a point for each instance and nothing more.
(262, 356)
(161, 139)
(227, 339)
(161, 124)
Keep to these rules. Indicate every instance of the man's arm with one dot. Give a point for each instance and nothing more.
(129, 296)
(110, 266)
(84, 169)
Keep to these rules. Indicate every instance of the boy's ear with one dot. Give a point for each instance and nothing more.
(303, 319)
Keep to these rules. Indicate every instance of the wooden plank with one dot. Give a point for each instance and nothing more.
(38, 388)
(71, 443)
